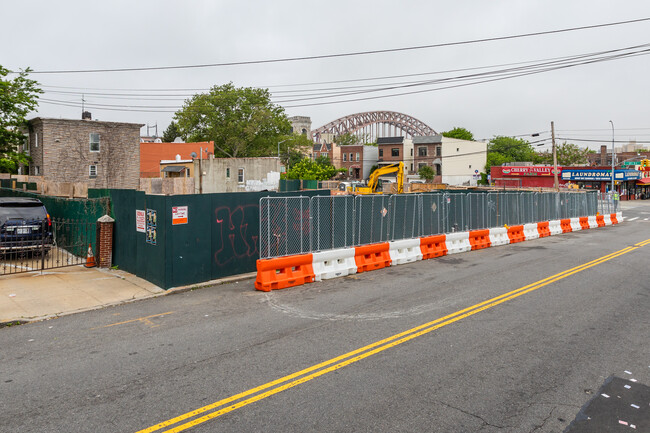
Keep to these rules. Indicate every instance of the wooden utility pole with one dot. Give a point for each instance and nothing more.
(556, 183)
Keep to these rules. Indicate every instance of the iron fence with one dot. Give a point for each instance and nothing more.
(46, 245)
(297, 225)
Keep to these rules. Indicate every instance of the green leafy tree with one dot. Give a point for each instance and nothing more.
(426, 172)
(171, 133)
(242, 122)
(346, 139)
(567, 154)
(460, 133)
(509, 149)
(18, 97)
(320, 169)
(293, 147)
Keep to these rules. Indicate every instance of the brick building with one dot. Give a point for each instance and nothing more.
(99, 154)
(358, 159)
(427, 150)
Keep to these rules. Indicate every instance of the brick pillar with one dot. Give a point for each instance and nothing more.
(105, 241)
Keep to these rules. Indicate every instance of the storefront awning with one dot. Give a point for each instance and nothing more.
(644, 181)
(173, 169)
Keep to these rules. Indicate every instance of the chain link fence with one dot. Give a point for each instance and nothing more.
(297, 225)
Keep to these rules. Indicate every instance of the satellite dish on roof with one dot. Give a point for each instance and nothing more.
(157, 140)
(178, 140)
(193, 155)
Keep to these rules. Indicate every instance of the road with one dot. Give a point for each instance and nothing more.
(515, 338)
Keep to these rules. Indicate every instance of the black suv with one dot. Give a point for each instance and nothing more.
(25, 226)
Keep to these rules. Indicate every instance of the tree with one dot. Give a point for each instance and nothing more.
(347, 139)
(321, 169)
(567, 154)
(293, 147)
(18, 97)
(426, 172)
(242, 122)
(460, 133)
(509, 149)
(171, 133)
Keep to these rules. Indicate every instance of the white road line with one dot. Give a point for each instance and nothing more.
(632, 219)
(645, 219)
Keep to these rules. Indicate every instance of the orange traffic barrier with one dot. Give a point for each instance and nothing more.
(566, 225)
(600, 220)
(90, 258)
(433, 246)
(479, 239)
(584, 223)
(516, 234)
(543, 230)
(283, 272)
(613, 218)
(371, 257)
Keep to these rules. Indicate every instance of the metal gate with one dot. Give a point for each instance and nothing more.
(50, 244)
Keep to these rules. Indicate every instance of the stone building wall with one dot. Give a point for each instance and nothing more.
(63, 153)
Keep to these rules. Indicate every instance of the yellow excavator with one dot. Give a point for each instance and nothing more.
(373, 180)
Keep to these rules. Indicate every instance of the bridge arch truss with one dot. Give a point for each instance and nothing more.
(374, 124)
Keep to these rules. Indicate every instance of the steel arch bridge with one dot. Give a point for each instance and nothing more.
(375, 124)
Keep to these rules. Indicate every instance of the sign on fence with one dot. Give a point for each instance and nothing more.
(179, 215)
(140, 221)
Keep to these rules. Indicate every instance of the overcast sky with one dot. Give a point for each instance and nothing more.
(79, 35)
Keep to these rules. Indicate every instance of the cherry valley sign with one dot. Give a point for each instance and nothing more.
(529, 171)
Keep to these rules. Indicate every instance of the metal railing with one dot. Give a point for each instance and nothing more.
(36, 247)
(297, 225)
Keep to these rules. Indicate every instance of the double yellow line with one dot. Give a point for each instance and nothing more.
(255, 394)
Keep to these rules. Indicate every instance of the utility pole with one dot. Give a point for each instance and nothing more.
(556, 183)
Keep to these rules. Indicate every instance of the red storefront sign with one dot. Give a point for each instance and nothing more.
(529, 171)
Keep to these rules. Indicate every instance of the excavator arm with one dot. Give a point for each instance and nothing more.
(373, 180)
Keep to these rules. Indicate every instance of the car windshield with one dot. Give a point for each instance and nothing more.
(21, 211)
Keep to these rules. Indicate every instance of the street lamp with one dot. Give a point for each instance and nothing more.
(612, 188)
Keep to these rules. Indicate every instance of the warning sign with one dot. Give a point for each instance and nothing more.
(179, 215)
(140, 221)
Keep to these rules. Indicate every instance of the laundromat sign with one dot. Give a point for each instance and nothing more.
(603, 175)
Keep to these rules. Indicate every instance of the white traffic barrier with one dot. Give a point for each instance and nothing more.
(593, 224)
(499, 236)
(404, 251)
(530, 231)
(575, 224)
(458, 242)
(334, 263)
(555, 227)
(608, 219)
(619, 217)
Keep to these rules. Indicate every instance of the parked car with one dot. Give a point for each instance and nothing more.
(25, 226)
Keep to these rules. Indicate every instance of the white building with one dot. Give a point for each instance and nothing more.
(462, 161)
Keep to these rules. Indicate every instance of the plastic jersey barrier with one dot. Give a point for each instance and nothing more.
(600, 220)
(371, 257)
(566, 225)
(433, 246)
(584, 223)
(479, 239)
(458, 243)
(283, 272)
(499, 236)
(530, 231)
(334, 263)
(555, 227)
(593, 222)
(619, 217)
(404, 251)
(607, 219)
(543, 229)
(575, 224)
(516, 234)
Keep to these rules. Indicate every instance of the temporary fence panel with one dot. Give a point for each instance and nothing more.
(373, 221)
(284, 226)
(404, 217)
(332, 221)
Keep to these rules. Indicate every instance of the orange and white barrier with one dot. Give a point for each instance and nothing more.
(289, 271)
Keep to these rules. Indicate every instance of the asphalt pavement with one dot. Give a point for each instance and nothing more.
(517, 338)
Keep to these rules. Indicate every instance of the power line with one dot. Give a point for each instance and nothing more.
(339, 55)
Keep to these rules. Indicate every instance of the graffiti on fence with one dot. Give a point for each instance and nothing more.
(234, 240)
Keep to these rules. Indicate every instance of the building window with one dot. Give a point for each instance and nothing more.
(323, 154)
(421, 164)
(422, 151)
(37, 170)
(470, 166)
(394, 151)
(381, 152)
(187, 172)
(458, 149)
(350, 156)
(94, 142)
(240, 175)
(304, 131)
(36, 139)
(411, 151)
(227, 172)
(438, 170)
(345, 157)
(411, 167)
(92, 170)
(438, 151)
(357, 156)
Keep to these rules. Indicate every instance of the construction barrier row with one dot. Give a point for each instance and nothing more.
(282, 272)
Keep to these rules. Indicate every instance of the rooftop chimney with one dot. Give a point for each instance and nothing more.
(86, 115)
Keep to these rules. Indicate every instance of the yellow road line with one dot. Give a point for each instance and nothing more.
(144, 320)
(642, 243)
(364, 352)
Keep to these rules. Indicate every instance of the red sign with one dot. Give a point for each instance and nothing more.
(529, 171)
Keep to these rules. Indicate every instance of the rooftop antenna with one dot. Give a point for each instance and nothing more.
(82, 105)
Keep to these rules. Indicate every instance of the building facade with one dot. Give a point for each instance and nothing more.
(236, 174)
(358, 160)
(428, 152)
(462, 161)
(99, 154)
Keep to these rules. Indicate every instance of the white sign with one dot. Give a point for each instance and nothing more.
(179, 215)
(140, 221)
